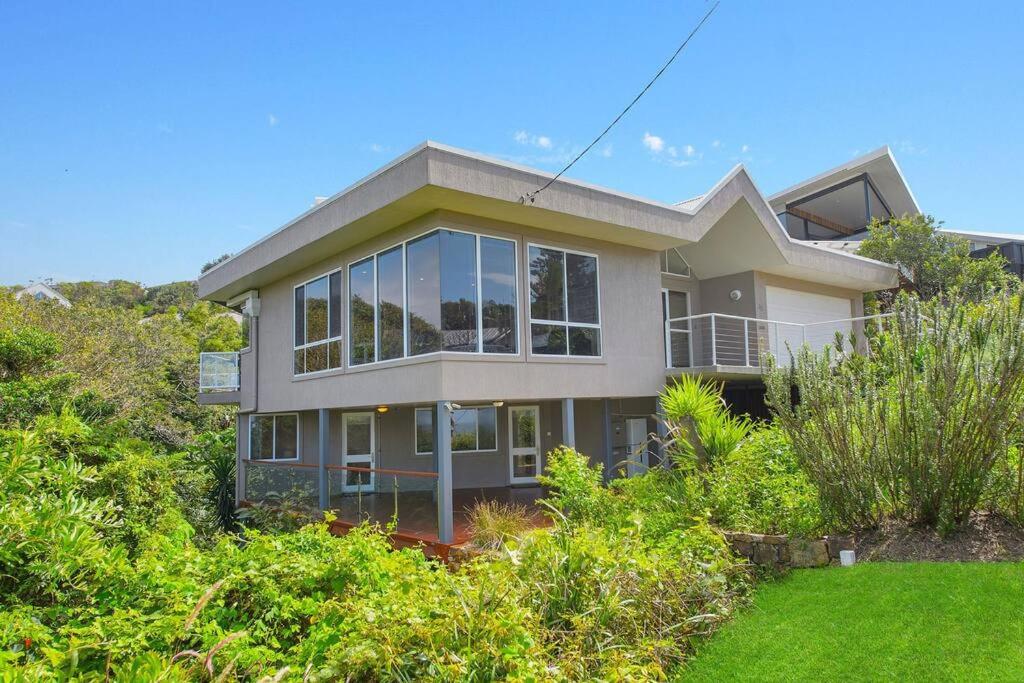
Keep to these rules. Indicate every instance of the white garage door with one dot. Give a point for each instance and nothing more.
(789, 305)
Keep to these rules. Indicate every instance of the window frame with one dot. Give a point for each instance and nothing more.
(273, 439)
(415, 429)
(689, 268)
(329, 339)
(531, 321)
(405, 301)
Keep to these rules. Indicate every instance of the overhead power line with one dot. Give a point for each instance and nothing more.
(531, 196)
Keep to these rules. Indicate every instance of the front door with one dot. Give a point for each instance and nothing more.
(636, 446)
(524, 444)
(357, 449)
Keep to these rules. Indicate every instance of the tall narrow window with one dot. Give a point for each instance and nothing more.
(423, 285)
(318, 324)
(390, 309)
(565, 317)
(498, 295)
(458, 291)
(361, 314)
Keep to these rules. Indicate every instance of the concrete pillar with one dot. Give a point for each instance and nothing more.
(241, 432)
(568, 423)
(609, 455)
(325, 445)
(662, 431)
(443, 459)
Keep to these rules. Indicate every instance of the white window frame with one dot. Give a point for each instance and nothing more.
(478, 408)
(329, 339)
(689, 270)
(376, 322)
(565, 301)
(405, 301)
(537, 451)
(273, 438)
(363, 460)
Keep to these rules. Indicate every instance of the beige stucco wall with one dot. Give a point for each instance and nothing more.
(632, 361)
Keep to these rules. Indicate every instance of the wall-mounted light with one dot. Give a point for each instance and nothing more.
(382, 409)
(735, 295)
(497, 404)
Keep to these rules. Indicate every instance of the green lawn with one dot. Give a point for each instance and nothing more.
(907, 622)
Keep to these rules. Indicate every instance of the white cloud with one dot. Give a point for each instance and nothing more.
(606, 152)
(271, 119)
(908, 147)
(672, 152)
(690, 150)
(716, 144)
(744, 149)
(653, 143)
(377, 148)
(523, 137)
(544, 142)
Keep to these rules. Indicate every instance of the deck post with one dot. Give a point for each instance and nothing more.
(443, 455)
(568, 423)
(609, 451)
(241, 432)
(662, 432)
(325, 439)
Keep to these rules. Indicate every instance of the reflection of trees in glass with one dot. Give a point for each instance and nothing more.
(499, 323)
(391, 333)
(581, 278)
(424, 337)
(547, 283)
(526, 430)
(458, 322)
(549, 339)
(361, 323)
(424, 431)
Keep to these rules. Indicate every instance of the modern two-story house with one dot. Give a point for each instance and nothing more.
(422, 338)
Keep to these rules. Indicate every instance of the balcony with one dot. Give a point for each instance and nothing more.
(218, 378)
(733, 346)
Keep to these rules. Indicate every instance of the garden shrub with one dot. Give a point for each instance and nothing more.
(916, 428)
(701, 429)
(492, 524)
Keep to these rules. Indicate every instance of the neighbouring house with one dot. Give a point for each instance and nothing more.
(40, 291)
(421, 339)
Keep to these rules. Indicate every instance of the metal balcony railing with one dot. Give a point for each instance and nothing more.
(218, 371)
(719, 339)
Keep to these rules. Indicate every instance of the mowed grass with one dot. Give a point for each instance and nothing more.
(875, 622)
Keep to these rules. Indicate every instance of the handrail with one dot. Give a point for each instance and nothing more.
(382, 470)
(774, 322)
(281, 463)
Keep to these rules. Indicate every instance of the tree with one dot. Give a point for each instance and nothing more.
(210, 264)
(932, 262)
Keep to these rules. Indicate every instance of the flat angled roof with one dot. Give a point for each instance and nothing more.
(433, 176)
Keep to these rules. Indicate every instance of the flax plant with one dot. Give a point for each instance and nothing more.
(914, 428)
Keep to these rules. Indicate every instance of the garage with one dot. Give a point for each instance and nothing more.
(793, 306)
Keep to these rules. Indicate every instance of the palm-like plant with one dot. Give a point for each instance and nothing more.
(700, 427)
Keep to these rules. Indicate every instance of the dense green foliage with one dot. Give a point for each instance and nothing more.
(933, 262)
(876, 622)
(916, 428)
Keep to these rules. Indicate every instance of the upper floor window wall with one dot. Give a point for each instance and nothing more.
(840, 212)
(444, 291)
(318, 324)
(565, 316)
(673, 263)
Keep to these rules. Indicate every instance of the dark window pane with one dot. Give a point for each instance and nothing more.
(358, 430)
(423, 282)
(548, 339)
(390, 323)
(246, 329)
(360, 312)
(581, 278)
(425, 431)
(547, 284)
(316, 357)
(286, 437)
(300, 361)
(672, 262)
(498, 298)
(487, 428)
(334, 354)
(458, 291)
(464, 430)
(584, 341)
(316, 310)
(261, 441)
(335, 316)
(300, 317)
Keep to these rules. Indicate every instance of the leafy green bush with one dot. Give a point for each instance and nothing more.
(493, 524)
(701, 430)
(914, 429)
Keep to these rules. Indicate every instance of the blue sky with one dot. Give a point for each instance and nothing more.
(140, 139)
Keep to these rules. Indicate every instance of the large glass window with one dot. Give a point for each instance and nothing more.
(318, 324)
(439, 303)
(565, 317)
(361, 316)
(473, 430)
(274, 437)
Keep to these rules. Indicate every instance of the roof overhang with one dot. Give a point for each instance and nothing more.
(432, 177)
(880, 166)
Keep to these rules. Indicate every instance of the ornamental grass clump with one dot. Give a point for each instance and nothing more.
(914, 428)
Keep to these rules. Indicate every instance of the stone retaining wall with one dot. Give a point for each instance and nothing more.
(781, 552)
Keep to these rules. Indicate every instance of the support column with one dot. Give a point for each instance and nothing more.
(325, 445)
(443, 460)
(662, 431)
(241, 432)
(568, 423)
(609, 450)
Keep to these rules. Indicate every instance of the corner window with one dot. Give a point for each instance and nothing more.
(318, 324)
(565, 318)
(673, 263)
(274, 437)
(473, 430)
